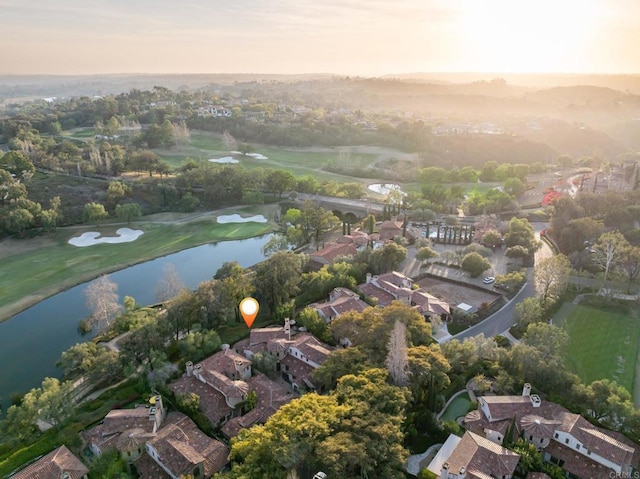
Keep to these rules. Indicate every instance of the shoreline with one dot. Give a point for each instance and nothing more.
(9, 311)
(32, 298)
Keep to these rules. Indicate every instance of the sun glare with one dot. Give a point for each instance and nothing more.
(518, 36)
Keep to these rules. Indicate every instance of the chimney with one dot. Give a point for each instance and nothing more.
(526, 390)
(462, 472)
(444, 472)
(535, 400)
(189, 366)
(224, 347)
(368, 278)
(287, 327)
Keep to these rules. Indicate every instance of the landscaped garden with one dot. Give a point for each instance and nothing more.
(602, 343)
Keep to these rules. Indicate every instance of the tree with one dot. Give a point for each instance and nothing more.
(94, 212)
(231, 284)
(310, 319)
(491, 238)
(528, 311)
(16, 162)
(229, 141)
(280, 181)
(631, 263)
(170, 283)
(117, 191)
(474, 264)
(371, 428)
(425, 254)
(340, 363)
(428, 374)
(144, 346)
(609, 250)
(287, 440)
(128, 211)
(551, 277)
(514, 186)
(316, 220)
(550, 341)
(369, 223)
(102, 299)
(277, 279)
(521, 233)
(397, 354)
(98, 363)
(277, 242)
(55, 401)
(387, 258)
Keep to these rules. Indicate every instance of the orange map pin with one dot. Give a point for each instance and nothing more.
(249, 309)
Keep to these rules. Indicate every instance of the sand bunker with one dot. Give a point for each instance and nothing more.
(224, 159)
(240, 219)
(125, 235)
(257, 156)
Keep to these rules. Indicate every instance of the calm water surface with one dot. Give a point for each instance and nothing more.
(32, 341)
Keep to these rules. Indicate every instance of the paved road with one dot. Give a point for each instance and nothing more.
(502, 320)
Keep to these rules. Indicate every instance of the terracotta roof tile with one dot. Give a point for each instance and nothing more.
(53, 466)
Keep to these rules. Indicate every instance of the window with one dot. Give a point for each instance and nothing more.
(556, 435)
(577, 447)
(566, 441)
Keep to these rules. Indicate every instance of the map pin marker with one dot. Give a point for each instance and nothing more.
(249, 309)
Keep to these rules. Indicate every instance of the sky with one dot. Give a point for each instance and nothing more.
(345, 37)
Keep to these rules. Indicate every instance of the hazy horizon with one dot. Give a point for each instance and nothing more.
(339, 37)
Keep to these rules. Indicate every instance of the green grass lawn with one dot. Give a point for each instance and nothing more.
(602, 344)
(28, 277)
(204, 146)
(458, 407)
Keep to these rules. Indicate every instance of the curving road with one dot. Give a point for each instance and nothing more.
(502, 320)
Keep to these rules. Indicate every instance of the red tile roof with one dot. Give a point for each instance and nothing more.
(182, 446)
(480, 456)
(53, 466)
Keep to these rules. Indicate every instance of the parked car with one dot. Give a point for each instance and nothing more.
(488, 280)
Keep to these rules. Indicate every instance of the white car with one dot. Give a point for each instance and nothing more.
(320, 475)
(488, 280)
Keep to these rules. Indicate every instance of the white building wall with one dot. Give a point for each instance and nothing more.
(568, 440)
(296, 353)
(494, 436)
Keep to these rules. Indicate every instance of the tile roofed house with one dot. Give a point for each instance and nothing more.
(181, 448)
(329, 253)
(340, 301)
(394, 286)
(118, 425)
(297, 353)
(270, 396)
(213, 403)
(390, 229)
(565, 438)
(58, 464)
(477, 457)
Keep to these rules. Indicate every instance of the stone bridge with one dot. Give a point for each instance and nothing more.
(344, 208)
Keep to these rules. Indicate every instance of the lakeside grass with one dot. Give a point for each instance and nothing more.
(602, 344)
(31, 276)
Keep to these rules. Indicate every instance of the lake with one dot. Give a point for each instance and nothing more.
(32, 341)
